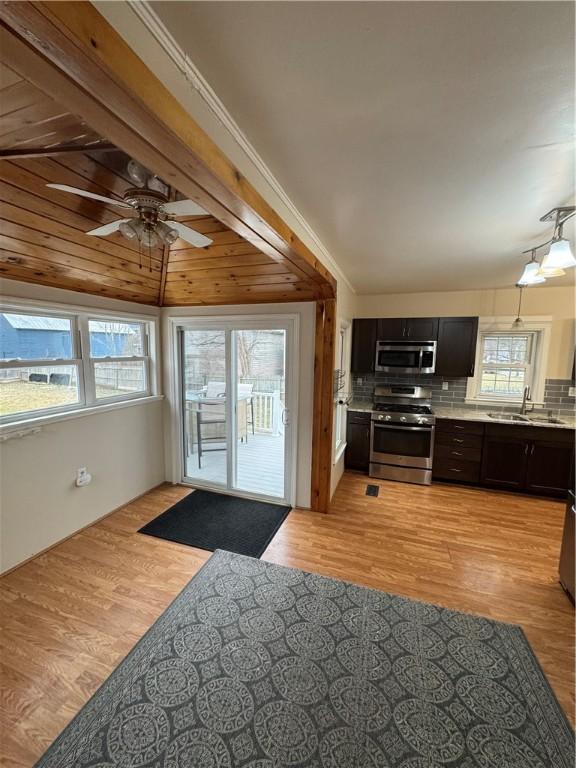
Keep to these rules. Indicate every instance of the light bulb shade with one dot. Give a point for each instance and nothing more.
(167, 234)
(550, 271)
(559, 256)
(531, 275)
(149, 238)
(129, 229)
(518, 324)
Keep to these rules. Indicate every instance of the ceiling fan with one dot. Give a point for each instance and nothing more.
(154, 223)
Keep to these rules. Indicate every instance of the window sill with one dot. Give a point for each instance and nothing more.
(39, 421)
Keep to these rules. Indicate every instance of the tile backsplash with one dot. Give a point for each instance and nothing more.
(556, 397)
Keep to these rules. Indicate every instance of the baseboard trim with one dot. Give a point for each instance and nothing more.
(79, 530)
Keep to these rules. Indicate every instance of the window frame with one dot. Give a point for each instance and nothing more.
(540, 330)
(343, 351)
(80, 342)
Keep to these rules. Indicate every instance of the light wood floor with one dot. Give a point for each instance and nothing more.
(72, 614)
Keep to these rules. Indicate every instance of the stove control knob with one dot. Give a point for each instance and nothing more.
(423, 420)
(380, 417)
(388, 418)
(403, 418)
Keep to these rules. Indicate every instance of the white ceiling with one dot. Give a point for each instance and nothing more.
(422, 141)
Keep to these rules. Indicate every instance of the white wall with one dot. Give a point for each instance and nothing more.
(558, 302)
(123, 449)
(306, 312)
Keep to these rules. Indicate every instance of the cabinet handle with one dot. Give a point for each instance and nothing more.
(526, 449)
(456, 453)
(456, 440)
(457, 426)
(455, 470)
(532, 449)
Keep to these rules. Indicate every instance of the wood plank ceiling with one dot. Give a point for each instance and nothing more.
(42, 234)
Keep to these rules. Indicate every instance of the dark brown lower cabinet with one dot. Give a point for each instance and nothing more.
(530, 459)
(504, 464)
(549, 468)
(357, 441)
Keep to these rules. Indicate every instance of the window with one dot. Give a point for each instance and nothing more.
(340, 386)
(506, 367)
(117, 356)
(51, 363)
(508, 361)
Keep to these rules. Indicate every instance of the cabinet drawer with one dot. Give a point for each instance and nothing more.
(459, 471)
(458, 440)
(359, 417)
(460, 426)
(457, 452)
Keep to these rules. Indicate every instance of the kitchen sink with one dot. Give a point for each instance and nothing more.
(509, 417)
(545, 420)
(525, 419)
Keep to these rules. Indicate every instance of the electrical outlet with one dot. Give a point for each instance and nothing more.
(571, 391)
(83, 477)
(360, 382)
(444, 385)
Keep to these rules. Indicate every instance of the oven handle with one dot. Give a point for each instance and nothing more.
(407, 429)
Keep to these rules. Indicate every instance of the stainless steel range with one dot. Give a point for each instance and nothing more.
(402, 434)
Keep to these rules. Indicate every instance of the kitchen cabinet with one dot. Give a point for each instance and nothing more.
(390, 329)
(456, 337)
(357, 441)
(504, 464)
(364, 337)
(421, 328)
(458, 450)
(531, 459)
(456, 349)
(549, 467)
(404, 328)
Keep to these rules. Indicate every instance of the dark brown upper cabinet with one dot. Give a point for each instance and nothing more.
(456, 350)
(421, 328)
(364, 337)
(390, 329)
(408, 328)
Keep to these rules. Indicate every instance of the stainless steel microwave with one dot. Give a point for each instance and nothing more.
(405, 356)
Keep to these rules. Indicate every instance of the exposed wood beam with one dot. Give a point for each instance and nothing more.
(322, 427)
(74, 55)
(25, 154)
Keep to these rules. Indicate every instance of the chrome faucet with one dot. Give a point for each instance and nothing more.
(525, 398)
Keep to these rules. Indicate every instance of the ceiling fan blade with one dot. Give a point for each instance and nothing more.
(192, 237)
(183, 208)
(107, 229)
(91, 195)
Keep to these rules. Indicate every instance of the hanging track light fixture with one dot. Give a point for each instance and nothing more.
(559, 256)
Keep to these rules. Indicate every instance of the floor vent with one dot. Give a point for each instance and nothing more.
(372, 490)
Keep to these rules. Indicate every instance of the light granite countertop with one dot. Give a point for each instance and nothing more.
(470, 414)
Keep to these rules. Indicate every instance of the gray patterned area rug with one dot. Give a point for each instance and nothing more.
(260, 666)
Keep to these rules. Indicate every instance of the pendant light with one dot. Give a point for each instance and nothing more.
(518, 324)
(560, 255)
(531, 274)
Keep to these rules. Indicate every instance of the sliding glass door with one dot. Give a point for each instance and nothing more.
(237, 432)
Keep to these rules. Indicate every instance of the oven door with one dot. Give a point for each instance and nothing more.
(397, 358)
(402, 445)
